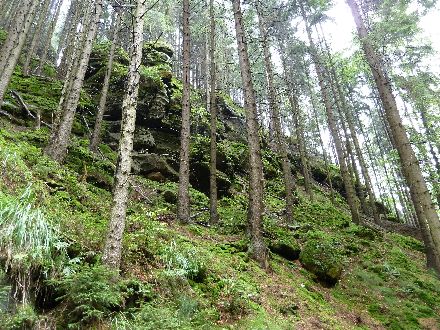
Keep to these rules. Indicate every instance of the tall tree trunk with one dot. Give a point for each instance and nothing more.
(96, 136)
(352, 200)
(7, 13)
(213, 112)
(113, 243)
(57, 147)
(43, 9)
(47, 45)
(327, 161)
(353, 135)
(183, 203)
(13, 45)
(412, 172)
(275, 121)
(362, 163)
(80, 9)
(257, 248)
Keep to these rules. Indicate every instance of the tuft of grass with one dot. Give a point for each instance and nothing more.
(27, 241)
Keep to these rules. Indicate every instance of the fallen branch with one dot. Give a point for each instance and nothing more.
(23, 105)
(7, 114)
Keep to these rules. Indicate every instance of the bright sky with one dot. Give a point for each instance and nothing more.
(341, 28)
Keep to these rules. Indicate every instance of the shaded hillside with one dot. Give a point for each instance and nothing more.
(325, 272)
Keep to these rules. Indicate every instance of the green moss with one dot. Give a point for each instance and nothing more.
(3, 36)
(322, 256)
(407, 242)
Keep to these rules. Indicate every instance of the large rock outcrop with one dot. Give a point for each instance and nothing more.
(157, 135)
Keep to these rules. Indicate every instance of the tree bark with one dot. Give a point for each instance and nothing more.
(257, 247)
(183, 204)
(352, 200)
(7, 13)
(45, 7)
(113, 243)
(425, 209)
(47, 45)
(213, 113)
(14, 43)
(57, 147)
(281, 148)
(80, 15)
(96, 136)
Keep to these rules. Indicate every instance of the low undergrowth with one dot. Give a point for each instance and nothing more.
(194, 276)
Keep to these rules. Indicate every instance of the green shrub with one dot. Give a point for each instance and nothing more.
(152, 317)
(183, 262)
(90, 295)
(235, 296)
(24, 317)
(28, 242)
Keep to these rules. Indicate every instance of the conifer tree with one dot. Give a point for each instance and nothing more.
(426, 212)
(60, 137)
(183, 206)
(257, 247)
(14, 43)
(113, 243)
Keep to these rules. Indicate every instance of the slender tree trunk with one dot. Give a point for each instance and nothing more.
(352, 200)
(213, 112)
(96, 136)
(7, 13)
(76, 44)
(360, 156)
(113, 243)
(299, 129)
(353, 135)
(183, 206)
(14, 43)
(281, 147)
(57, 147)
(67, 24)
(47, 45)
(80, 16)
(44, 8)
(258, 249)
(321, 141)
(423, 203)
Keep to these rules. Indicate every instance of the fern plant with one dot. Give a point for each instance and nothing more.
(27, 242)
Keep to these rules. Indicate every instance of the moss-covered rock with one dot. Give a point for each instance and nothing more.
(322, 257)
(286, 247)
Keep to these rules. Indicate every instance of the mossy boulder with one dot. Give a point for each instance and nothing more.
(286, 247)
(323, 258)
(156, 53)
(280, 241)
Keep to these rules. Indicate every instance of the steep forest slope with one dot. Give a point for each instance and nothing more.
(325, 272)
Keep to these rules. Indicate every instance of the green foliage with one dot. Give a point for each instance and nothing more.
(321, 213)
(28, 242)
(102, 49)
(232, 213)
(407, 242)
(90, 295)
(3, 36)
(24, 317)
(181, 261)
(280, 241)
(236, 296)
(322, 256)
(152, 317)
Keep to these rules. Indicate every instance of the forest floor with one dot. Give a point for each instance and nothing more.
(192, 276)
(201, 277)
